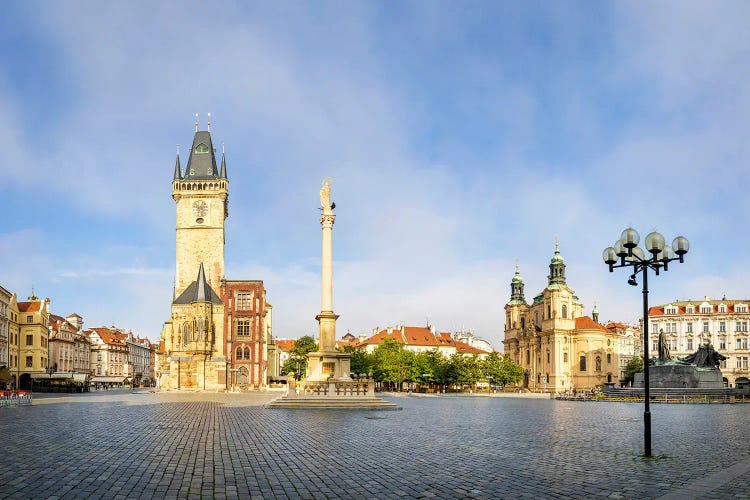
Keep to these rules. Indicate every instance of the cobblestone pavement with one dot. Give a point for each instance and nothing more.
(144, 445)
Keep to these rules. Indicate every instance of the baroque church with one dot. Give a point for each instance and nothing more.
(558, 347)
(218, 334)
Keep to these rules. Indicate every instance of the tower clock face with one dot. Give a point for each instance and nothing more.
(200, 208)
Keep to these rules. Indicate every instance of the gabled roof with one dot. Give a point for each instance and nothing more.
(111, 337)
(201, 165)
(379, 337)
(445, 339)
(586, 323)
(285, 345)
(34, 306)
(198, 291)
(464, 348)
(419, 335)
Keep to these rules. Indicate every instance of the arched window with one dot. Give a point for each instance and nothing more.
(598, 363)
(536, 318)
(564, 311)
(549, 312)
(528, 357)
(609, 358)
(582, 363)
(186, 333)
(238, 354)
(523, 323)
(247, 353)
(201, 148)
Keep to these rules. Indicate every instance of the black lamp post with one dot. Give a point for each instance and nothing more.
(627, 252)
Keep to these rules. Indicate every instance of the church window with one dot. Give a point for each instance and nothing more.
(528, 357)
(549, 312)
(523, 323)
(609, 358)
(582, 363)
(247, 353)
(201, 148)
(536, 318)
(186, 333)
(598, 363)
(244, 301)
(564, 311)
(548, 357)
(239, 353)
(243, 327)
(565, 357)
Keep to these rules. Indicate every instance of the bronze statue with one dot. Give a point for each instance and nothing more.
(664, 355)
(704, 357)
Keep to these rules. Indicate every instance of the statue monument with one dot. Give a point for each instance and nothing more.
(329, 383)
(699, 370)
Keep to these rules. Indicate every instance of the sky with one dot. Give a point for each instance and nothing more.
(461, 136)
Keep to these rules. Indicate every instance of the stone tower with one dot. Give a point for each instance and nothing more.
(201, 193)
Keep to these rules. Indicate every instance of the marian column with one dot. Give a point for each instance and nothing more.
(327, 318)
(327, 363)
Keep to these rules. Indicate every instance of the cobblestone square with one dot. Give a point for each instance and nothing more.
(167, 445)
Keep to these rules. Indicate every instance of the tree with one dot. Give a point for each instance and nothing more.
(360, 360)
(392, 364)
(297, 360)
(633, 366)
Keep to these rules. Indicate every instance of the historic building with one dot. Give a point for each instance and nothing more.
(724, 323)
(422, 339)
(248, 327)
(210, 340)
(109, 356)
(5, 375)
(33, 340)
(69, 348)
(558, 347)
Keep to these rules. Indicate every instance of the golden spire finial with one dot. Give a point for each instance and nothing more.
(516, 266)
(196, 122)
(557, 245)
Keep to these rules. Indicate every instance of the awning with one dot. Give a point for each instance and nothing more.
(52, 376)
(115, 380)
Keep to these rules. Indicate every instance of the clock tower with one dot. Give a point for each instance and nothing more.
(201, 193)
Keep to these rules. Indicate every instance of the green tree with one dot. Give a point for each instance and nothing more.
(510, 372)
(360, 361)
(297, 360)
(633, 366)
(392, 364)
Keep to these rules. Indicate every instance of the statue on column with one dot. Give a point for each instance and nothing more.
(325, 196)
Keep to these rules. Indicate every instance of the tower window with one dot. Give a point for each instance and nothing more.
(564, 311)
(582, 363)
(201, 148)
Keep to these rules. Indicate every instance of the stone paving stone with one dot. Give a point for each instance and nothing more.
(123, 445)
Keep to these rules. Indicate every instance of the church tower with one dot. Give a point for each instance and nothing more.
(201, 193)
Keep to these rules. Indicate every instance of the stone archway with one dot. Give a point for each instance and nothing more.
(243, 376)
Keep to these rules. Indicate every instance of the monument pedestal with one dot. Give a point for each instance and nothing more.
(676, 376)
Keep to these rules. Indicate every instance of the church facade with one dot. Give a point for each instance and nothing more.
(558, 347)
(199, 353)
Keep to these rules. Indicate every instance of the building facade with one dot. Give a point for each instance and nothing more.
(688, 324)
(217, 335)
(69, 348)
(248, 333)
(139, 359)
(5, 375)
(109, 356)
(558, 347)
(33, 333)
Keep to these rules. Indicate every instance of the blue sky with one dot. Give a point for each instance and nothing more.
(461, 136)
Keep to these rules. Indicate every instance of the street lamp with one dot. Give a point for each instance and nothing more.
(626, 253)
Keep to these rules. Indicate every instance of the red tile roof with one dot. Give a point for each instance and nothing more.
(285, 345)
(379, 337)
(586, 323)
(464, 348)
(419, 335)
(445, 339)
(29, 306)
